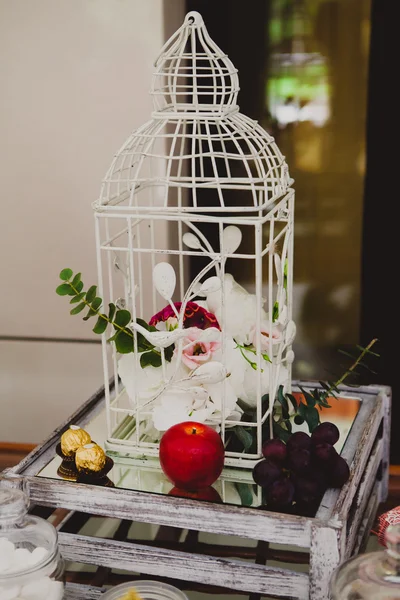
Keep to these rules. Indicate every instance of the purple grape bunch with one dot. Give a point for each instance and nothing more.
(296, 475)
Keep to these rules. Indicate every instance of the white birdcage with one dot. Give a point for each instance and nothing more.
(199, 179)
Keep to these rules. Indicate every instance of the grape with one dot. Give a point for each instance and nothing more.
(297, 441)
(324, 453)
(281, 493)
(275, 450)
(299, 461)
(266, 472)
(307, 490)
(325, 433)
(340, 473)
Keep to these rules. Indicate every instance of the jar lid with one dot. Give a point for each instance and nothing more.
(14, 504)
(147, 590)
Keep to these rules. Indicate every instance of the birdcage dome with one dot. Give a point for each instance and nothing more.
(197, 139)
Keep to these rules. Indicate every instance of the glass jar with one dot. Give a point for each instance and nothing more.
(147, 590)
(31, 567)
(375, 575)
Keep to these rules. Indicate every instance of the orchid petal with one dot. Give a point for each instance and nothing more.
(211, 334)
(232, 237)
(164, 280)
(191, 241)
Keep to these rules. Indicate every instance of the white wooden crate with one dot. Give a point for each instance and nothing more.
(338, 530)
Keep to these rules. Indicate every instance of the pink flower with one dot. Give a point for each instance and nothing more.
(265, 335)
(195, 316)
(196, 352)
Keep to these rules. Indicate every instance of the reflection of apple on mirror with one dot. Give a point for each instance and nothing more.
(208, 493)
(192, 455)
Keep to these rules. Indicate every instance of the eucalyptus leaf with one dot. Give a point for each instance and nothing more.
(101, 324)
(79, 286)
(150, 359)
(66, 274)
(280, 432)
(124, 343)
(122, 318)
(111, 311)
(299, 420)
(78, 309)
(64, 289)
(76, 279)
(77, 298)
(292, 401)
(91, 293)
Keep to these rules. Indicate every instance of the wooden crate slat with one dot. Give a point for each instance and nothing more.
(75, 591)
(175, 512)
(233, 574)
(362, 496)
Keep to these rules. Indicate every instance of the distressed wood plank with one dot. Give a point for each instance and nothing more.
(386, 396)
(355, 451)
(237, 575)
(172, 511)
(367, 522)
(361, 498)
(75, 591)
(327, 549)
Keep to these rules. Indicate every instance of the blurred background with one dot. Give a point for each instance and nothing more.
(75, 79)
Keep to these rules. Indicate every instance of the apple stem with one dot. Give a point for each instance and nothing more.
(194, 430)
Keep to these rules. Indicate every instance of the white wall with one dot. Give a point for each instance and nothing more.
(74, 80)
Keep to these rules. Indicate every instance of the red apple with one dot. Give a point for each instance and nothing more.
(191, 455)
(207, 493)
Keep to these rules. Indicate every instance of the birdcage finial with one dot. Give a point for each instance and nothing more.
(193, 75)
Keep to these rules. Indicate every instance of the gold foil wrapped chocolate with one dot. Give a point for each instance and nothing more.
(72, 439)
(90, 457)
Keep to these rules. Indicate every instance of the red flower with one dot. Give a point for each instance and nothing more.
(195, 316)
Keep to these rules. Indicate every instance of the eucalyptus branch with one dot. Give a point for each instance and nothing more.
(351, 370)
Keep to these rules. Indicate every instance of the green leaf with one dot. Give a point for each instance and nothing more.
(111, 311)
(79, 286)
(146, 325)
(77, 298)
(283, 402)
(280, 432)
(76, 279)
(101, 324)
(122, 318)
(275, 312)
(244, 436)
(78, 309)
(298, 420)
(293, 401)
(91, 293)
(66, 274)
(325, 386)
(97, 302)
(169, 352)
(64, 289)
(244, 491)
(312, 418)
(246, 408)
(150, 358)
(310, 400)
(367, 351)
(93, 308)
(124, 343)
